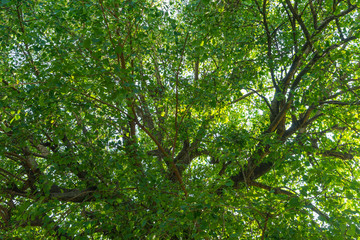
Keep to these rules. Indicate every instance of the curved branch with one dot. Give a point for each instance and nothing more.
(278, 190)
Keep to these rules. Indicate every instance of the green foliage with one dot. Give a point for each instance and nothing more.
(179, 119)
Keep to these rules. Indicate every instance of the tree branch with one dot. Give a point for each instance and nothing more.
(277, 190)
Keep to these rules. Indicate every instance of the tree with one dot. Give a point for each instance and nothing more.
(203, 119)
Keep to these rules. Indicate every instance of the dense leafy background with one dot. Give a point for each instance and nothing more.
(179, 119)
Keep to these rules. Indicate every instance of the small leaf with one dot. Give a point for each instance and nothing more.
(352, 230)
(229, 183)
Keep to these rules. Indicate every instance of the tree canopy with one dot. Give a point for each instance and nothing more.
(198, 119)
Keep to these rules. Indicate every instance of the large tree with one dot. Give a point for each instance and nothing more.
(139, 119)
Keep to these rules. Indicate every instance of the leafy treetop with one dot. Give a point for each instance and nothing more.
(141, 119)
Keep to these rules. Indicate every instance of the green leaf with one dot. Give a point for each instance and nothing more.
(229, 183)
